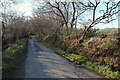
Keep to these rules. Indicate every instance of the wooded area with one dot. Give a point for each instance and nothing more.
(64, 24)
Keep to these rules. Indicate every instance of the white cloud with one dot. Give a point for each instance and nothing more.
(25, 7)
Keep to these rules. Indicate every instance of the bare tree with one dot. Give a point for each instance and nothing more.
(111, 9)
(12, 22)
(68, 11)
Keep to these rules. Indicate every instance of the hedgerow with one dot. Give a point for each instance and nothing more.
(12, 57)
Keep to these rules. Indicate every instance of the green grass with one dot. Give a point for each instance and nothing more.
(103, 69)
(13, 56)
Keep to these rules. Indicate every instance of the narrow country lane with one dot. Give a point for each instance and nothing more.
(42, 62)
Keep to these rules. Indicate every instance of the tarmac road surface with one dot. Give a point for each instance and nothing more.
(42, 62)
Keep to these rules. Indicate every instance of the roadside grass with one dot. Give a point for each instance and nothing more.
(12, 57)
(94, 66)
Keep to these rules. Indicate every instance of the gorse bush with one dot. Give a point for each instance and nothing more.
(104, 51)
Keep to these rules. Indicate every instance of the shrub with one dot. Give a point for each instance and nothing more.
(104, 51)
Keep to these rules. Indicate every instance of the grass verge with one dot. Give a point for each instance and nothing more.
(12, 57)
(94, 66)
